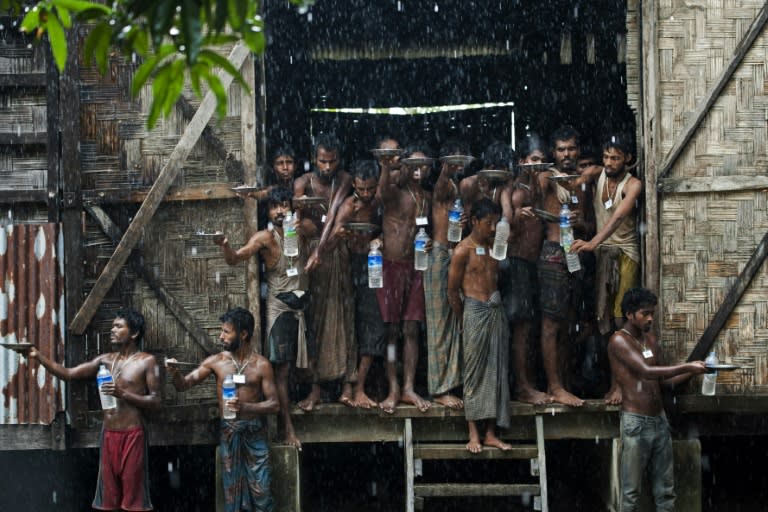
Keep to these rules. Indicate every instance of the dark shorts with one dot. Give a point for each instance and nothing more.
(282, 339)
(518, 284)
(584, 287)
(555, 282)
(370, 331)
(123, 482)
(402, 297)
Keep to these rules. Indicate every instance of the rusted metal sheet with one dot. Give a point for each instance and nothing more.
(31, 310)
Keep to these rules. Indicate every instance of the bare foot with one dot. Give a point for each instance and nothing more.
(363, 401)
(292, 440)
(613, 396)
(533, 396)
(495, 442)
(561, 396)
(347, 400)
(474, 446)
(309, 403)
(449, 401)
(410, 397)
(389, 403)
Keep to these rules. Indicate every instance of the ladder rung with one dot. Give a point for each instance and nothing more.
(438, 490)
(459, 451)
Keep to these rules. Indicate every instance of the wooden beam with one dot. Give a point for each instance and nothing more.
(54, 137)
(23, 196)
(197, 333)
(716, 184)
(26, 437)
(23, 80)
(698, 115)
(448, 490)
(210, 191)
(148, 208)
(734, 294)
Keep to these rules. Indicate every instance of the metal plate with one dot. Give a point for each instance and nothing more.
(246, 188)
(495, 174)
(362, 227)
(418, 160)
(309, 201)
(203, 234)
(18, 347)
(541, 166)
(383, 152)
(457, 159)
(545, 215)
(564, 177)
(723, 367)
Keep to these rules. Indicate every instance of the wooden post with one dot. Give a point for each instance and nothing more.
(409, 469)
(154, 197)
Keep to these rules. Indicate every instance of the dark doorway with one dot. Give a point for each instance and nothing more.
(558, 62)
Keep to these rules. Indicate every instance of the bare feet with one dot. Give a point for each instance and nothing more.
(493, 441)
(389, 403)
(313, 398)
(613, 396)
(534, 396)
(410, 397)
(474, 446)
(292, 440)
(363, 401)
(561, 396)
(450, 401)
(346, 396)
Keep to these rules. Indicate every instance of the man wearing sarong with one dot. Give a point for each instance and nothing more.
(330, 283)
(401, 300)
(616, 243)
(443, 333)
(362, 208)
(518, 279)
(474, 274)
(288, 343)
(243, 446)
(559, 289)
(646, 444)
(123, 481)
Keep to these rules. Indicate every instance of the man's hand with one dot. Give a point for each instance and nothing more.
(233, 404)
(110, 388)
(33, 353)
(527, 211)
(220, 239)
(313, 262)
(582, 246)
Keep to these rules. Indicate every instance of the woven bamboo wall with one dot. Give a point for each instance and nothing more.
(707, 238)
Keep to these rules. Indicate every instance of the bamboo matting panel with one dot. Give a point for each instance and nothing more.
(24, 170)
(707, 240)
(695, 44)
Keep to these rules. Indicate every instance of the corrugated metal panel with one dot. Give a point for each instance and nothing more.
(31, 310)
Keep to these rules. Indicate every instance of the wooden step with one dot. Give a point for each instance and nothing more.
(459, 451)
(456, 489)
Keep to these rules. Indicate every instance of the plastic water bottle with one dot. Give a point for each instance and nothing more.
(290, 238)
(104, 377)
(500, 241)
(454, 221)
(228, 393)
(420, 250)
(709, 383)
(375, 267)
(566, 239)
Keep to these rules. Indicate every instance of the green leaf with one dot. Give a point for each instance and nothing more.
(234, 15)
(64, 16)
(31, 21)
(58, 41)
(190, 27)
(148, 67)
(217, 60)
(254, 40)
(81, 5)
(159, 92)
(221, 94)
(175, 86)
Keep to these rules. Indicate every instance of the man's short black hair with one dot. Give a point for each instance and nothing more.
(134, 320)
(620, 142)
(417, 147)
(454, 146)
(283, 150)
(636, 299)
(565, 132)
(241, 319)
(499, 155)
(365, 169)
(329, 142)
(279, 195)
(529, 144)
(485, 207)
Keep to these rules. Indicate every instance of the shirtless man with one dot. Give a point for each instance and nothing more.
(497, 156)
(558, 287)
(282, 173)
(485, 344)
(362, 207)
(443, 334)
(645, 440)
(518, 280)
(243, 443)
(122, 483)
(330, 283)
(616, 243)
(401, 301)
(287, 285)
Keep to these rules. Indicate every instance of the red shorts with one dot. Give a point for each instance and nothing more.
(123, 482)
(402, 297)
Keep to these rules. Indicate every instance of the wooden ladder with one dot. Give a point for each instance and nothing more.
(414, 454)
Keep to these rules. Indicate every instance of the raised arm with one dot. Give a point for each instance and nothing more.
(627, 207)
(256, 243)
(195, 377)
(385, 190)
(621, 349)
(81, 371)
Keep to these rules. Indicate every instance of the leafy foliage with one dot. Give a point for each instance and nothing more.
(176, 40)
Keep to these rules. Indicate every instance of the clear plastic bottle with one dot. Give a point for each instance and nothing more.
(420, 250)
(566, 231)
(709, 383)
(501, 240)
(375, 266)
(104, 377)
(228, 393)
(290, 237)
(454, 221)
